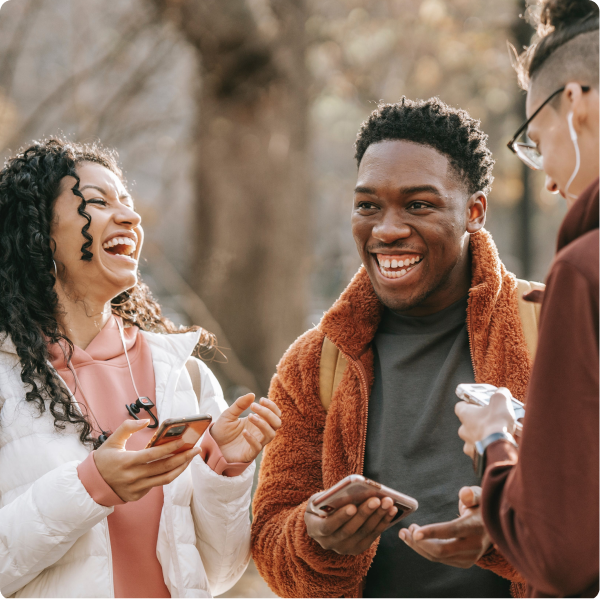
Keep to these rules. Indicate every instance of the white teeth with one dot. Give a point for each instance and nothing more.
(384, 265)
(123, 241)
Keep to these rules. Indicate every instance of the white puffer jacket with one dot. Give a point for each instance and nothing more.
(54, 539)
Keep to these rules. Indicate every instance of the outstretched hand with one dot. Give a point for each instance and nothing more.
(458, 543)
(241, 439)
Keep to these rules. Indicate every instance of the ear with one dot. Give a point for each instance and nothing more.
(575, 103)
(476, 210)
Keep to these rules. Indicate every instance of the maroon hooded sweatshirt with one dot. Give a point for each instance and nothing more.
(540, 505)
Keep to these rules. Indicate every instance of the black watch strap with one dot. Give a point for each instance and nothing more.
(479, 460)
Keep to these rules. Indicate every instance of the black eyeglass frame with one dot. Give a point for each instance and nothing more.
(511, 144)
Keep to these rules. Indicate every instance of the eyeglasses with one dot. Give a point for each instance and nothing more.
(528, 151)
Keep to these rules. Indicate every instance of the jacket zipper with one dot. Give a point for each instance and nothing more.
(469, 337)
(362, 376)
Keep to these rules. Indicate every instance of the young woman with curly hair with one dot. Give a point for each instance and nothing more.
(85, 509)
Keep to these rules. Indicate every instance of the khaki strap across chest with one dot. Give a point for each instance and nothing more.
(193, 369)
(334, 363)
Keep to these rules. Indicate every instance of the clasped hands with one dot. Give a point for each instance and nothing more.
(132, 474)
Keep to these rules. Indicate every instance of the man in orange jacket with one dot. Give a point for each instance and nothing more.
(433, 306)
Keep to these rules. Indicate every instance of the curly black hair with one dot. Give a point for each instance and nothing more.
(448, 130)
(30, 183)
(564, 51)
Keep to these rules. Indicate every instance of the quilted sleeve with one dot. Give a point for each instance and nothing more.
(220, 506)
(42, 524)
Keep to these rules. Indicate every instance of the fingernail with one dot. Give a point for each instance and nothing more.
(393, 511)
(418, 535)
(373, 503)
(402, 534)
(350, 510)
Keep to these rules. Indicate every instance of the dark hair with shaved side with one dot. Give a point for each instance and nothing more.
(567, 50)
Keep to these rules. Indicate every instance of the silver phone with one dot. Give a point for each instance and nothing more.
(480, 394)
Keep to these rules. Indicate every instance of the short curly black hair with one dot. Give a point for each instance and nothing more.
(450, 131)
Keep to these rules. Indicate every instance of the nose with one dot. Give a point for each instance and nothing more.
(551, 185)
(391, 228)
(128, 216)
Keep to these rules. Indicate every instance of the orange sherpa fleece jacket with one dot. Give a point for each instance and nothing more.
(314, 450)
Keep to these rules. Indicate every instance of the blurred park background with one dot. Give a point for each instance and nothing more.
(235, 122)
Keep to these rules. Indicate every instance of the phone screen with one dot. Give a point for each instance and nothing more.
(480, 393)
(189, 429)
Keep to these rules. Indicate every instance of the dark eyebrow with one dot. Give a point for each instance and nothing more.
(404, 191)
(101, 190)
(420, 189)
(359, 189)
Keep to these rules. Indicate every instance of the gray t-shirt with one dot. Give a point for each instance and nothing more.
(413, 447)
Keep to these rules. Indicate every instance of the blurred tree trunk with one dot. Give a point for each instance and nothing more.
(252, 217)
(522, 32)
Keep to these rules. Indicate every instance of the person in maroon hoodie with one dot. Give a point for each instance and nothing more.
(540, 501)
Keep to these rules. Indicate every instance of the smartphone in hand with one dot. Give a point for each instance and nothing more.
(480, 394)
(355, 489)
(188, 429)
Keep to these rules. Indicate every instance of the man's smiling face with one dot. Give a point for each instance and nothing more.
(411, 221)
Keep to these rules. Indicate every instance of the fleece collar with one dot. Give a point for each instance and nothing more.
(498, 346)
(352, 321)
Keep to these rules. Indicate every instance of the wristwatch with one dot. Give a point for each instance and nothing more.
(479, 460)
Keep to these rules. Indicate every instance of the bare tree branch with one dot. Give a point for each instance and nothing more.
(125, 40)
(116, 136)
(200, 315)
(236, 60)
(134, 85)
(15, 48)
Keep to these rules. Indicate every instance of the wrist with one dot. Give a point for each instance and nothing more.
(213, 457)
(495, 428)
(481, 446)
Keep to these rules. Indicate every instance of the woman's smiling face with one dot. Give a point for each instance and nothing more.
(115, 229)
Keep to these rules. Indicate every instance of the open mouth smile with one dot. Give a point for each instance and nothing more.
(394, 266)
(121, 247)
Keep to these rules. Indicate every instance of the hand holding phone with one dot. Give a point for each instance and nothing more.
(133, 473)
(355, 489)
(357, 518)
(480, 394)
(480, 421)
